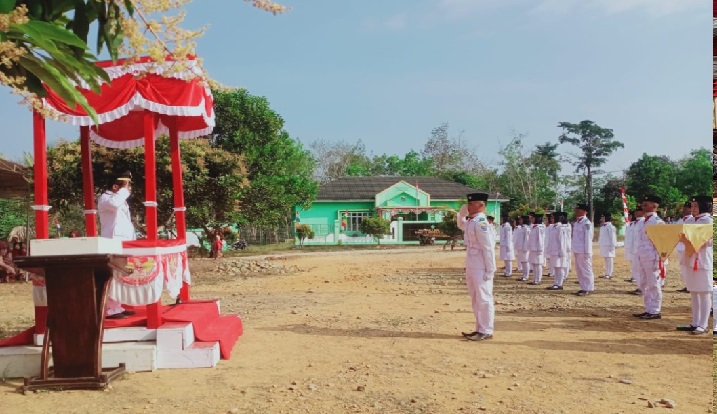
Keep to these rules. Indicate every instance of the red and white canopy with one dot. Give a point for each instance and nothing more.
(144, 85)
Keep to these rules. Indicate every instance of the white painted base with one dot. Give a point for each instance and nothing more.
(137, 356)
(175, 336)
(198, 355)
(130, 334)
(24, 361)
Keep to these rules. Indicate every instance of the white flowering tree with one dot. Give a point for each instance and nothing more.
(46, 41)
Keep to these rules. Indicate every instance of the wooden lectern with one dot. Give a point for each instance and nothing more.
(76, 294)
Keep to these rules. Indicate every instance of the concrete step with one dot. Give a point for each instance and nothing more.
(175, 336)
(129, 334)
(197, 355)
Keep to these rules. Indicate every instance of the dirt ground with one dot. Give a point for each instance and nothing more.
(379, 332)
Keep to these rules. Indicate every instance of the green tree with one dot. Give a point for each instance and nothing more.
(280, 171)
(376, 227)
(303, 232)
(656, 175)
(596, 144)
(13, 213)
(693, 173)
(526, 177)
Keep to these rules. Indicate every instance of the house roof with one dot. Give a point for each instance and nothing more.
(14, 180)
(366, 188)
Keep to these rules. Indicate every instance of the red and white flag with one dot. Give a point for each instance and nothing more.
(624, 206)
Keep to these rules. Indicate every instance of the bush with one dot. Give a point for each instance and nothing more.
(303, 232)
(376, 227)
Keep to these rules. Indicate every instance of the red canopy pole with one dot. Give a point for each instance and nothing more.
(88, 184)
(178, 186)
(42, 225)
(154, 313)
(150, 176)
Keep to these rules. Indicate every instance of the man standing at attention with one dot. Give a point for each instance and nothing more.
(582, 248)
(116, 223)
(648, 260)
(507, 254)
(607, 240)
(480, 267)
(536, 244)
(521, 247)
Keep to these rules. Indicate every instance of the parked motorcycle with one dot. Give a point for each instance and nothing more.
(240, 244)
(426, 240)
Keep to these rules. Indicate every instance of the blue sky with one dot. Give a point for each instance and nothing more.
(387, 72)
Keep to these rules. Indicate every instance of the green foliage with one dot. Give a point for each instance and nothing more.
(13, 213)
(527, 177)
(693, 173)
(279, 169)
(375, 226)
(55, 40)
(523, 210)
(449, 225)
(303, 232)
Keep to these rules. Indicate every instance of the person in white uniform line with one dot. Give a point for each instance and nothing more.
(634, 265)
(582, 248)
(116, 223)
(507, 254)
(648, 260)
(521, 247)
(698, 266)
(559, 250)
(680, 248)
(607, 241)
(536, 246)
(553, 223)
(480, 267)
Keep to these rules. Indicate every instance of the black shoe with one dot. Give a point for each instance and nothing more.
(479, 337)
(467, 334)
(639, 315)
(535, 283)
(554, 287)
(636, 292)
(582, 293)
(116, 316)
(631, 280)
(651, 316)
(686, 328)
(129, 312)
(683, 290)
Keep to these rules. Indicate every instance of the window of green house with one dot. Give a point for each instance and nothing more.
(354, 219)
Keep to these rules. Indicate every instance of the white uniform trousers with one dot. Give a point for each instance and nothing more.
(508, 267)
(537, 273)
(481, 292)
(551, 268)
(649, 283)
(700, 309)
(683, 269)
(584, 269)
(559, 274)
(635, 270)
(609, 265)
(113, 307)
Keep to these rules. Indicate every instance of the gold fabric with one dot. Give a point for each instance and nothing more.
(666, 237)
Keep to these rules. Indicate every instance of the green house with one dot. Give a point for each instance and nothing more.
(412, 204)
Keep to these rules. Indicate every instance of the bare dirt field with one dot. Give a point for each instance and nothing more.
(379, 332)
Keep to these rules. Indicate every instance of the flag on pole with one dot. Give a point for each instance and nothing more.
(624, 206)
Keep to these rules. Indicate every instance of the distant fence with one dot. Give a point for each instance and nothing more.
(263, 235)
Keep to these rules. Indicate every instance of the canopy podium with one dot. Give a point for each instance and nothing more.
(76, 293)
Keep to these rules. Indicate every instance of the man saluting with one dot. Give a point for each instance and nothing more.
(480, 266)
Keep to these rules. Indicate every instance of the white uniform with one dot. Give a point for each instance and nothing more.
(536, 255)
(559, 251)
(582, 247)
(607, 240)
(550, 229)
(698, 278)
(680, 249)
(632, 247)
(648, 264)
(115, 223)
(507, 253)
(521, 248)
(480, 268)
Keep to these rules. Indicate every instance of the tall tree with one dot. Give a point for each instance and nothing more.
(280, 171)
(596, 144)
(525, 177)
(655, 175)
